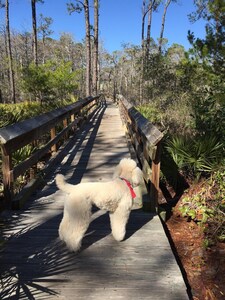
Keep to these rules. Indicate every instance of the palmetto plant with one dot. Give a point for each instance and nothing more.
(22, 154)
(11, 113)
(196, 155)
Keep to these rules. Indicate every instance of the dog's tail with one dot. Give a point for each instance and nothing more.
(63, 185)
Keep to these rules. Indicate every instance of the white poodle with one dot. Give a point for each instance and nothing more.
(114, 196)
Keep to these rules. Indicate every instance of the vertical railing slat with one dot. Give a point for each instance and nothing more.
(7, 180)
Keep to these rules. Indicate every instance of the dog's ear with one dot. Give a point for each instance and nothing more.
(137, 176)
(117, 171)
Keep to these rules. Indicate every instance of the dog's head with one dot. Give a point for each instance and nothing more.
(128, 169)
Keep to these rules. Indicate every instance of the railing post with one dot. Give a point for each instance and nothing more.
(154, 187)
(72, 119)
(7, 181)
(65, 124)
(52, 133)
(33, 169)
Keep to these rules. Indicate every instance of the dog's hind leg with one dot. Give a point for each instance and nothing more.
(118, 221)
(74, 224)
(76, 233)
(63, 227)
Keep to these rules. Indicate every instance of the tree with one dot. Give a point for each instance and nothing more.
(52, 80)
(78, 7)
(44, 30)
(9, 54)
(201, 11)
(24, 43)
(153, 5)
(147, 9)
(211, 50)
(95, 54)
(34, 26)
(166, 5)
(209, 53)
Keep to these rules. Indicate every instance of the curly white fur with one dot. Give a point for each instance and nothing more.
(113, 196)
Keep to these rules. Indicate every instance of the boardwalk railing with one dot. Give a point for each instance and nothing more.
(44, 133)
(145, 138)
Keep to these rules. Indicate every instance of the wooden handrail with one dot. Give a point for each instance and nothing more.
(145, 138)
(12, 136)
(18, 135)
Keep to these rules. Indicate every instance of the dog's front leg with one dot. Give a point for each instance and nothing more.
(118, 221)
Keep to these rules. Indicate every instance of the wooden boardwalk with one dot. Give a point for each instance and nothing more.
(35, 264)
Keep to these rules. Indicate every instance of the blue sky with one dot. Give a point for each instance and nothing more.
(120, 21)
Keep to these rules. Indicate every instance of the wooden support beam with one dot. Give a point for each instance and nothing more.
(65, 124)
(7, 180)
(154, 188)
(72, 119)
(53, 135)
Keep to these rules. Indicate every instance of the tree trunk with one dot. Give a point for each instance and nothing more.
(142, 49)
(43, 49)
(163, 24)
(88, 48)
(145, 46)
(95, 63)
(143, 24)
(1, 99)
(34, 38)
(9, 55)
(150, 10)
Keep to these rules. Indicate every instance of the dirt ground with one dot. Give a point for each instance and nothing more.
(204, 268)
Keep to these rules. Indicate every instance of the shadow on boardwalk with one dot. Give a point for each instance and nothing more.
(35, 264)
(35, 259)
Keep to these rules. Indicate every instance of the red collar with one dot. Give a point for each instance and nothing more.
(133, 195)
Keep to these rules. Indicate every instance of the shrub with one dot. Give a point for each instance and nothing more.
(12, 113)
(50, 80)
(207, 207)
(150, 112)
(196, 156)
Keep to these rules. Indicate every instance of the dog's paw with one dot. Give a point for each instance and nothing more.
(119, 236)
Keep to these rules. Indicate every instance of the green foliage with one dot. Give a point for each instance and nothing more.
(207, 208)
(22, 154)
(196, 209)
(211, 49)
(74, 7)
(44, 26)
(150, 112)
(12, 113)
(36, 81)
(209, 110)
(63, 80)
(196, 156)
(49, 80)
(8, 117)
